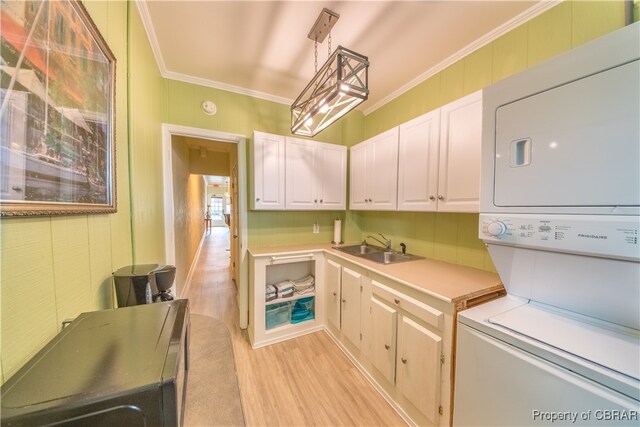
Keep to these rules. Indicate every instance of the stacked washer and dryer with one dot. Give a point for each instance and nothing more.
(560, 216)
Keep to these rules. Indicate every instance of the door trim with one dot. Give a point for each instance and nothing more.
(169, 130)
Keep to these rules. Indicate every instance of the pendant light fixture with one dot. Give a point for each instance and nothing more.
(340, 85)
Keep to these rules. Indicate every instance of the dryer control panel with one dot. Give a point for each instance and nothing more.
(598, 235)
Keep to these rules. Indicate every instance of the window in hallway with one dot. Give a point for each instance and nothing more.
(216, 208)
(218, 200)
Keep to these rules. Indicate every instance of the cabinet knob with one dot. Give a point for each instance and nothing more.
(320, 200)
(335, 293)
(315, 201)
(344, 300)
(432, 198)
(396, 300)
(370, 200)
(387, 346)
(440, 197)
(258, 199)
(404, 360)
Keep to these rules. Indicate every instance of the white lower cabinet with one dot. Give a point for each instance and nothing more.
(350, 303)
(407, 348)
(333, 285)
(383, 342)
(397, 336)
(418, 373)
(282, 318)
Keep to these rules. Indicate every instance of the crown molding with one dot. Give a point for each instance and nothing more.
(166, 73)
(515, 22)
(224, 86)
(151, 34)
(503, 29)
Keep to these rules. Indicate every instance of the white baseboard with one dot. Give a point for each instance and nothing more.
(194, 262)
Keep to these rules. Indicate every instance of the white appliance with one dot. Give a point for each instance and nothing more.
(560, 216)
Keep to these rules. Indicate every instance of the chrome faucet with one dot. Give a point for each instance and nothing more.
(386, 243)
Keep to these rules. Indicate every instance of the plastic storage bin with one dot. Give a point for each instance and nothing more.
(277, 314)
(303, 310)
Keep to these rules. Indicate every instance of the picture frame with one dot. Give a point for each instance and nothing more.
(57, 121)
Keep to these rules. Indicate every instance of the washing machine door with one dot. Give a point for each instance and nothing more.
(498, 384)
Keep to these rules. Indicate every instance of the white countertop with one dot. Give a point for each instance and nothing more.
(448, 282)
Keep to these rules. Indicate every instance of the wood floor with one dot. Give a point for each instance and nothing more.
(306, 381)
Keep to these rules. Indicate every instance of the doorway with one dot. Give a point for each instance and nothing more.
(237, 218)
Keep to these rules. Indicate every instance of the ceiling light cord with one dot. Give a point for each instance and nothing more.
(316, 57)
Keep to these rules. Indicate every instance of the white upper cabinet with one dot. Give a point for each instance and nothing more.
(297, 174)
(301, 174)
(460, 147)
(316, 175)
(358, 197)
(268, 155)
(374, 173)
(418, 163)
(439, 158)
(332, 176)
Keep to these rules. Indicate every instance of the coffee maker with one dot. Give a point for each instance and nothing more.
(144, 284)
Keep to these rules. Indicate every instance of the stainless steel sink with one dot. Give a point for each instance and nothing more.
(359, 250)
(390, 257)
(377, 254)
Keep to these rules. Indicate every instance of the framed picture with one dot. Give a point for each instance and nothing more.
(57, 93)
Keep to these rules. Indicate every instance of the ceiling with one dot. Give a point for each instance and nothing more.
(261, 47)
(209, 145)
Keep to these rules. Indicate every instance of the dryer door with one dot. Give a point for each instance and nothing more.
(575, 145)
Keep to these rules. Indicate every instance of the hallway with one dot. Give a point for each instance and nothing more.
(304, 381)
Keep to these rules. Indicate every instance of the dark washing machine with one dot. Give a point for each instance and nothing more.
(144, 284)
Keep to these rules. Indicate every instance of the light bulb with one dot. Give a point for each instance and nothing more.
(324, 108)
(309, 121)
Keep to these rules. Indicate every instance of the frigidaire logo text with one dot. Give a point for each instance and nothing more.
(592, 236)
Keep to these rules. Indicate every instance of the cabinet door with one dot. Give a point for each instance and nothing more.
(460, 146)
(358, 198)
(331, 170)
(418, 372)
(383, 338)
(333, 278)
(268, 171)
(382, 171)
(418, 163)
(301, 191)
(350, 314)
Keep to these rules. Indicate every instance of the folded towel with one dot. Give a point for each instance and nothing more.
(285, 289)
(287, 284)
(308, 290)
(305, 281)
(285, 294)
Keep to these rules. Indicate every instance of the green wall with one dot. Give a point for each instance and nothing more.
(54, 268)
(453, 237)
(145, 149)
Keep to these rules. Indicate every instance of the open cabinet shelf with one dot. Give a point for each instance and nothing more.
(284, 318)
